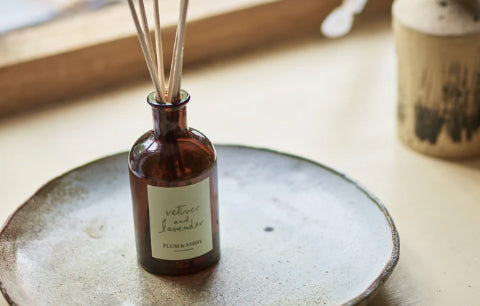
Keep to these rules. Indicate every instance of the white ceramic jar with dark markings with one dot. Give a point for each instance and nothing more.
(438, 56)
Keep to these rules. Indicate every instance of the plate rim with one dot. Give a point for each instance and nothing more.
(362, 297)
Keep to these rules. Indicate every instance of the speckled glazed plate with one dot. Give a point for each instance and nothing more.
(293, 232)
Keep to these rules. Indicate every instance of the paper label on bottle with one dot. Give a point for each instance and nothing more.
(180, 221)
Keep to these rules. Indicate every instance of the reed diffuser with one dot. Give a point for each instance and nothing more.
(172, 168)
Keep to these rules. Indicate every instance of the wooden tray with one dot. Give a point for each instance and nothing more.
(292, 232)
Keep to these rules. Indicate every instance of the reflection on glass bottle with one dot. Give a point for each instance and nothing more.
(173, 180)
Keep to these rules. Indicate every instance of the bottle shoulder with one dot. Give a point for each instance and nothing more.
(184, 156)
(192, 140)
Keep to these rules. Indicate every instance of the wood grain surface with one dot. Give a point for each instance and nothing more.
(89, 52)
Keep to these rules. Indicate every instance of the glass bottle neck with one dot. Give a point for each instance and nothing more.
(169, 121)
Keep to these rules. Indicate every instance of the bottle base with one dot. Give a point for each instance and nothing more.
(178, 268)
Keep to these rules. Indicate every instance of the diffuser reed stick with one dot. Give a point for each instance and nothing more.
(177, 58)
(145, 50)
(155, 63)
(159, 50)
(146, 30)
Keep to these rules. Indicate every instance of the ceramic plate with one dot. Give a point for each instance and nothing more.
(292, 232)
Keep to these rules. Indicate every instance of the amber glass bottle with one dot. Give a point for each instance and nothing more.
(173, 180)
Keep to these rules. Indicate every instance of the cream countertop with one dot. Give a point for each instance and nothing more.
(330, 101)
